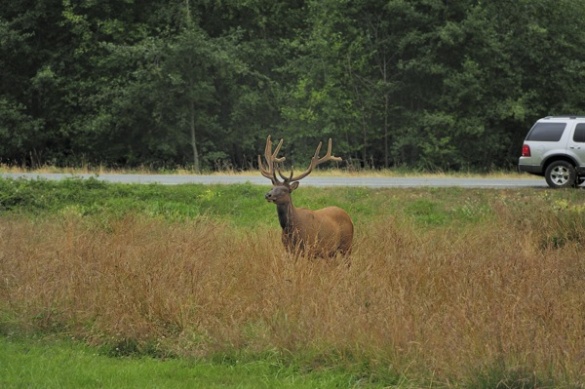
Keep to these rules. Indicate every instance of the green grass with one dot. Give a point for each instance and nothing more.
(243, 205)
(90, 197)
(42, 363)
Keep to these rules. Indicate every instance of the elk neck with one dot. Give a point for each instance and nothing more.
(286, 213)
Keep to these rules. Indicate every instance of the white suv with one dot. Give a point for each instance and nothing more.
(555, 148)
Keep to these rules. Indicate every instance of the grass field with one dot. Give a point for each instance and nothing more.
(42, 363)
(446, 287)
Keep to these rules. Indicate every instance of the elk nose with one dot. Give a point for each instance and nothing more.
(268, 195)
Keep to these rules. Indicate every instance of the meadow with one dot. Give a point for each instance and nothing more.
(446, 287)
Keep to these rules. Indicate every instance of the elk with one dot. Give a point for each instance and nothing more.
(321, 233)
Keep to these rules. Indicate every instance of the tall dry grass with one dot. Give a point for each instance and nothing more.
(442, 302)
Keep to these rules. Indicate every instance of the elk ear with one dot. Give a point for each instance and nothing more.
(293, 185)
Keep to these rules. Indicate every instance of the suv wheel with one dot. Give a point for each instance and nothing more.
(560, 174)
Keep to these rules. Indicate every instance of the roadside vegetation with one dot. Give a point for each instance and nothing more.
(446, 287)
(98, 170)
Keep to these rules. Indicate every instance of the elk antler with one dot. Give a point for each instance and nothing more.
(314, 162)
(269, 171)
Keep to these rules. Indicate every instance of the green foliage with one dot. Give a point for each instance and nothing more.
(39, 363)
(17, 129)
(243, 205)
(234, 203)
(427, 84)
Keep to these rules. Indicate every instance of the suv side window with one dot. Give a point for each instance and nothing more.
(579, 135)
(546, 132)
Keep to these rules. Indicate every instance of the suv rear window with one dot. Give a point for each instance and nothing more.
(579, 134)
(546, 132)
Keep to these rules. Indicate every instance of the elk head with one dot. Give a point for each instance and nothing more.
(323, 232)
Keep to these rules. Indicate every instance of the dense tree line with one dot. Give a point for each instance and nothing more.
(428, 84)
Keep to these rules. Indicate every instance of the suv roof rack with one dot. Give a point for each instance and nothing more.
(565, 116)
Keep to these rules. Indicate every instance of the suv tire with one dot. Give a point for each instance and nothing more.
(561, 174)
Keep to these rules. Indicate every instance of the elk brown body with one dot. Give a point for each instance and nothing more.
(321, 233)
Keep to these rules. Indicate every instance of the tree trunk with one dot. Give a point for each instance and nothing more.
(196, 165)
(386, 152)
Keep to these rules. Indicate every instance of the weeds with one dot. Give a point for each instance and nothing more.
(437, 289)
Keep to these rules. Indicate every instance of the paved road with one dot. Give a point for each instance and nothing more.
(372, 182)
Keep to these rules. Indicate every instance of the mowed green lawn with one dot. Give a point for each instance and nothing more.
(26, 363)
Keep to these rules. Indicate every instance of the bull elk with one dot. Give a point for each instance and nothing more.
(321, 233)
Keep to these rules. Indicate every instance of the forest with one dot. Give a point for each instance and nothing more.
(434, 85)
